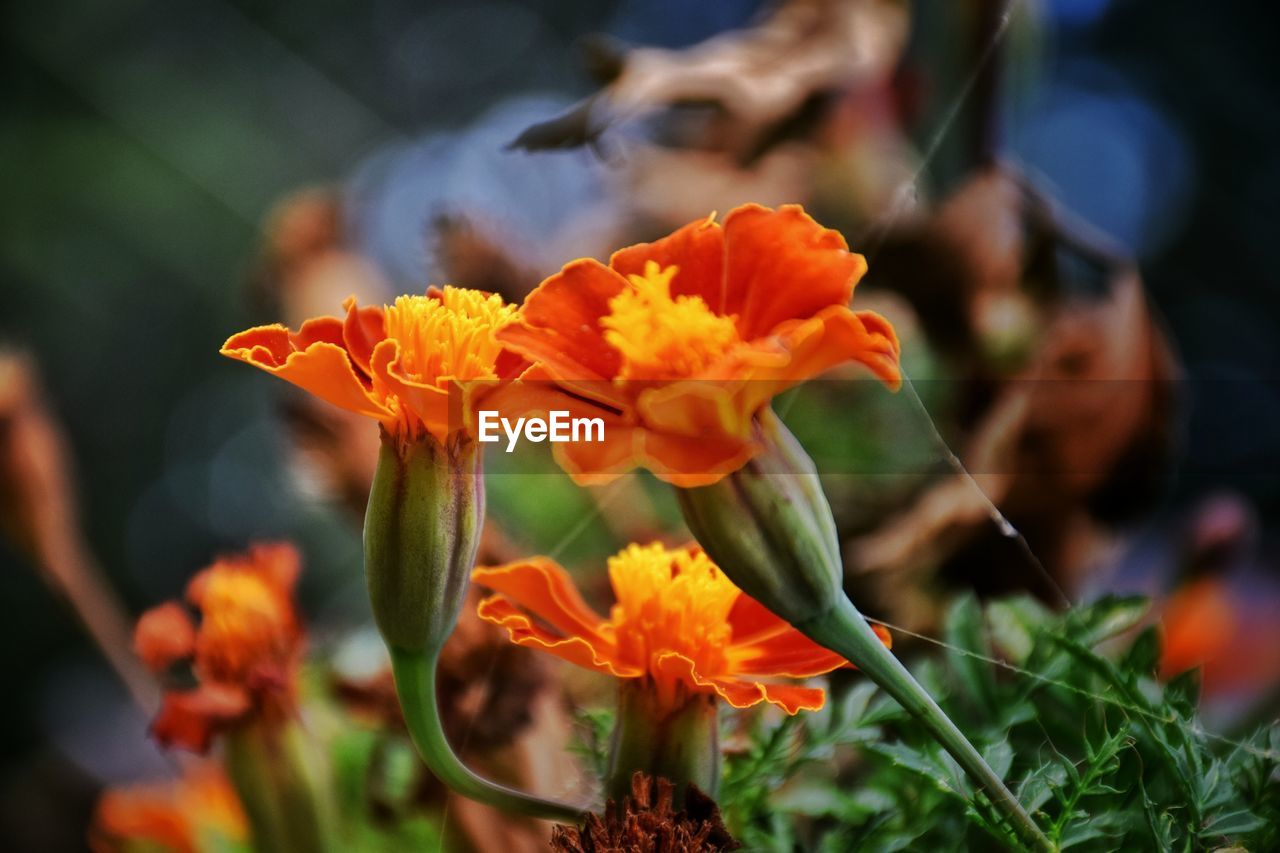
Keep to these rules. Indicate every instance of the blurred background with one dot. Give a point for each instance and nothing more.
(1074, 195)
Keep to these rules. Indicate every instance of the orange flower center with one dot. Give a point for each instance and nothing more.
(670, 601)
(246, 622)
(661, 337)
(449, 335)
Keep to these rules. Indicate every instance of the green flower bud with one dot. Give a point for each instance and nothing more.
(421, 531)
(769, 527)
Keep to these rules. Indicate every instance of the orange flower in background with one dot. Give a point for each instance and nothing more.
(198, 811)
(678, 622)
(244, 652)
(676, 344)
(419, 365)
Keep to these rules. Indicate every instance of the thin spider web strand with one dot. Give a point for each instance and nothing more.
(1269, 754)
(1001, 521)
(877, 232)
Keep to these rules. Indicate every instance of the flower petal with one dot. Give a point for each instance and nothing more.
(589, 652)
(685, 461)
(560, 322)
(322, 367)
(189, 719)
(794, 699)
(789, 654)
(542, 587)
(164, 635)
(739, 694)
(781, 265)
(362, 330)
(440, 414)
(697, 250)
(752, 621)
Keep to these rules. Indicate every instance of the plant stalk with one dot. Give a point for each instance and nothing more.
(844, 630)
(415, 674)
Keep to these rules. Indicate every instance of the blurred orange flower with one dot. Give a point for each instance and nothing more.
(676, 344)
(678, 622)
(419, 365)
(244, 652)
(197, 811)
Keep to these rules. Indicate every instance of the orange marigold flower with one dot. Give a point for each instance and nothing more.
(198, 810)
(244, 652)
(677, 344)
(678, 622)
(418, 365)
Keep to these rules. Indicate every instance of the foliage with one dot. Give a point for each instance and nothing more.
(1065, 707)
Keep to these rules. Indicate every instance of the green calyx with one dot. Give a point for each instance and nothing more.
(769, 527)
(679, 743)
(421, 531)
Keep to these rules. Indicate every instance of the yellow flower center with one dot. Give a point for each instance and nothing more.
(670, 601)
(661, 337)
(245, 621)
(448, 336)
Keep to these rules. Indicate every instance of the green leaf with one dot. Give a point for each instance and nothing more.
(1107, 617)
(1144, 655)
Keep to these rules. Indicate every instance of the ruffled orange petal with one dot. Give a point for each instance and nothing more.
(432, 405)
(793, 699)
(589, 652)
(544, 588)
(790, 654)
(691, 461)
(559, 322)
(739, 694)
(742, 693)
(781, 265)
(697, 249)
(321, 367)
(190, 719)
(685, 461)
(163, 636)
(362, 330)
(751, 621)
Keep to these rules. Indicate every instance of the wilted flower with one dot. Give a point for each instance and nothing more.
(677, 344)
(244, 652)
(646, 820)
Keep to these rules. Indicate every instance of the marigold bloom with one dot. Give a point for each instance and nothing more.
(244, 652)
(678, 622)
(196, 811)
(677, 344)
(418, 365)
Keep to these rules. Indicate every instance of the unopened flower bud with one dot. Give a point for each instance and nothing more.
(769, 527)
(422, 528)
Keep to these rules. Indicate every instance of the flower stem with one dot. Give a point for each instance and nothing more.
(286, 809)
(415, 674)
(679, 744)
(844, 630)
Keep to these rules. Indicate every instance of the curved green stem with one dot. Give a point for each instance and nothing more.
(415, 674)
(844, 630)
